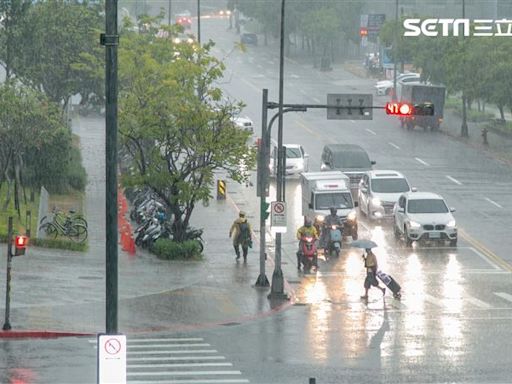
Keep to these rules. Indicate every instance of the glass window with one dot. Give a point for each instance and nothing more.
(427, 206)
(352, 160)
(293, 153)
(325, 201)
(390, 185)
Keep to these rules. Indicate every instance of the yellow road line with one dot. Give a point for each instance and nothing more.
(486, 251)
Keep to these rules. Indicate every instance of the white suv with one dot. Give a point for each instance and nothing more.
(424, 216)
(379, 191)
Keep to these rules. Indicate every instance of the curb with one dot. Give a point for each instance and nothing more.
(35, 334)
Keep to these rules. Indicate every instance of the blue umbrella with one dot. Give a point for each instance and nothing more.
(362, 243)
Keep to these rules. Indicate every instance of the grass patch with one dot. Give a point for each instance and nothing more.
(167, 249)
(70, 201)
(19, 223)
(59, 244)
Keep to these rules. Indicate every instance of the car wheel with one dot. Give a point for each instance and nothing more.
(408, 241)
(453, 243)
(396, 232)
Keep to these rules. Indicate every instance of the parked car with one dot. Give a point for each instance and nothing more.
(244, 122)
(385, 87)
(297, 160)
(379, 191)
(184, 19)
(249, 38)
(424, 216)
(350, 159)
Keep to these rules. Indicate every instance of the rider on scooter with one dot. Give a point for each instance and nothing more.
(332, 219)
(308, 229)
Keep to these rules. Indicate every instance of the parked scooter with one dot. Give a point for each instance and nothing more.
(307, 254)
(334, 240)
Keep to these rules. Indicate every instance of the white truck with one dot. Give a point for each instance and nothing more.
(323, 190)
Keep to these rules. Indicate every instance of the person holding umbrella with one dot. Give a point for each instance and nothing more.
(371, 265)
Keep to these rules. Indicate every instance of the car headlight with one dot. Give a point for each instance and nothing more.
(451, 224)
(319, 218)
(376, 201)
(351, 216)
(414, 225)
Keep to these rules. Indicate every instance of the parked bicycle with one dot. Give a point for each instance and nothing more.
(72, 225)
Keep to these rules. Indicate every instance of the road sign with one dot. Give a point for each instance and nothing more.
(354, 106)
(111, 359)
(278, 216)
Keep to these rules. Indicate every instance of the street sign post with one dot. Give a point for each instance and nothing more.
(111, 359)
(278, 216)
(350, 106)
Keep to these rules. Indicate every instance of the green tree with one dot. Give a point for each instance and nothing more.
(59, 41)
(174, 125)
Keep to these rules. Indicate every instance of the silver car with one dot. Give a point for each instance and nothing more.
(424, 216)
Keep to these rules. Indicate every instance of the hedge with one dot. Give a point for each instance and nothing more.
(166, 249)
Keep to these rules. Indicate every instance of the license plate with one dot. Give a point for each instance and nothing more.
(434, 235)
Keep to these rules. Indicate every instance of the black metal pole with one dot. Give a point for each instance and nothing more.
(199, 21)
(464, 126)
(395, 48)
(111, 42)
(7, 324)
(262, 280)
(277, 287)
(169, 13)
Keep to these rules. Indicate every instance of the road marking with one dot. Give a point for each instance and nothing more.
(316, 100)
(177, 358)
(294, 76)
(394, 145)
(476, 302)
(308, 129)
(170, 339)
(433, 300)
(352, 121)
(421, 161)
(484, 258)
(179, 365)
(493, 202)
(303, 92)
(369, 130)
(167, 345)
(453, 179)
(504, 295)
(250, 84)
(182, 352)
(488, 253)
(184, 373)
(204, 381)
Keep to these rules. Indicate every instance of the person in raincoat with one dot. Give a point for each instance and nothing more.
(240, 232)
(371, 265)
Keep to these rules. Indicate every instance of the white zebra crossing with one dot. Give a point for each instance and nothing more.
(155, 360)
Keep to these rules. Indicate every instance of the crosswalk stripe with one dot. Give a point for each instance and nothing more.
(167, 345)
(172, 352)
(183, 373)
(433, 300)
(135, 340)
(179, 365)
(176, 358)
(204, 381)
(477, 302)
(504, 295)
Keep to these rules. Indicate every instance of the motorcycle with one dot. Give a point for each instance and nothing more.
(334, 240)
(307, 254)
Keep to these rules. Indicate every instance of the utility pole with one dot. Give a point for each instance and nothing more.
(464, 126)
(111, 40)
(277, 287)
(169, 14)
(199, 21)
(395, 48)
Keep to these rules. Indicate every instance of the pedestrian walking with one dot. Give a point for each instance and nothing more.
(371, 265)
(240, 232)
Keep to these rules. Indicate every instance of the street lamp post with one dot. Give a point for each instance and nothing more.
(277, 286)
(464, 126)
(395, 48)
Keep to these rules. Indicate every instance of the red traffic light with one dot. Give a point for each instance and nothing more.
(363, 32)
(21, 241)
(400, 109)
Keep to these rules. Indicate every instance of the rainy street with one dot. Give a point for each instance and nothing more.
(205, 322)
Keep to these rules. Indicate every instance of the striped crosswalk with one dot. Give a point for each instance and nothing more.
(187, 360)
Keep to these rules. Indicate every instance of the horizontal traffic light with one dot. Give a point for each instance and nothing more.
(409, 109)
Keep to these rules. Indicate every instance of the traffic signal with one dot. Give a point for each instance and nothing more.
(265, 210)
(20, 244)
(408, 109)
(363, 32)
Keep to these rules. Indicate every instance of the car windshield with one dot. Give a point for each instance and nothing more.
(345, 160)
(390, 185)
(427, 206)
(293, 153)
(325, 201)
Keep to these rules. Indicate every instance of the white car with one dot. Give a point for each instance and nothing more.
(244, 122)
(297, 160)
(379, 191)
(424, 216)
(385, 87)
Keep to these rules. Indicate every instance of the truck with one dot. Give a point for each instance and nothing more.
(417, 93)
(323, 190)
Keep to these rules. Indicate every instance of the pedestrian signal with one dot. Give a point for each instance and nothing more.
(408, 109)
(20, 244)
(265, 210)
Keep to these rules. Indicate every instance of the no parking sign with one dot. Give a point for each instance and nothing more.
(278, 216)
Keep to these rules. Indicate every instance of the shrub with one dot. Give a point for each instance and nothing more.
(166, 249)
(52, 243)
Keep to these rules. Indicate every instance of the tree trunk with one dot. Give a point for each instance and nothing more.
(8, 195)
(502, 112)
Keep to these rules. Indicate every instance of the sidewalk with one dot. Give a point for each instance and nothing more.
(55, 292)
